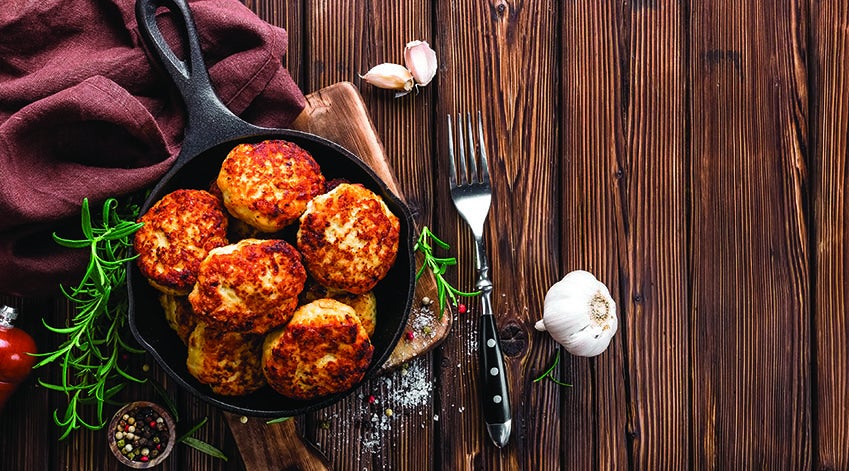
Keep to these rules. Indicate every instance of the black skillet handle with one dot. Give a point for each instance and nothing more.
(209, 120)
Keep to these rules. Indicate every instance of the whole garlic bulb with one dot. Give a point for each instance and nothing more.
(580, 314)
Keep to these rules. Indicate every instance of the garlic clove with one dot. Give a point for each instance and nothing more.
(580, 314)
(390, 76)
(421, 61)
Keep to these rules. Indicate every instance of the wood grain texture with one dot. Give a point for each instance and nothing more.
(490, 50)
(652, 181)
(750, 256)
(592, 221)
(829, 77)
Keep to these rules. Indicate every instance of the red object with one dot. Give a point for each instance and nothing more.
(461, 308)
(15, 361)
(410, 335)
(371, 399)
(85, 112)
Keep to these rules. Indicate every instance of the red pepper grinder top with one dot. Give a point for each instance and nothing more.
(15, 347)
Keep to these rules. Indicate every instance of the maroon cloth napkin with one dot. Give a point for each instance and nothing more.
(84, 112)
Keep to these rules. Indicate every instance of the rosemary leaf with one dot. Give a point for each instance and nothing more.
(204, 447)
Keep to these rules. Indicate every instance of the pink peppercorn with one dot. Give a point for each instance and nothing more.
(371, 399)
(410, 335)
(461, 308)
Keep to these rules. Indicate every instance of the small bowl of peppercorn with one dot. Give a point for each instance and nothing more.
(141, 434)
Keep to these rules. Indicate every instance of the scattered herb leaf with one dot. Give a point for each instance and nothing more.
(277, 420)
(201, 446)
(204, 447)
(91, 373)
(549, 373)
(438, 266)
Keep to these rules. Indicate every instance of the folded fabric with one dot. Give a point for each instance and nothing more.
(86, 112)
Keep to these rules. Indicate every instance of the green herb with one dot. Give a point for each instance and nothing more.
(91, 373)
(277, 420)
(199, 445)
(438, 266)
(549, 373)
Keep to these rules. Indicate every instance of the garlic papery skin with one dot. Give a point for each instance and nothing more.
(421, 61)
(391, 77)
(580, 314)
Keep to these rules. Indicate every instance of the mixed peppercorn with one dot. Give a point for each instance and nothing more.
(141, 434)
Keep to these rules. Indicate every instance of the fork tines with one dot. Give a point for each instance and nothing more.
(468, 165)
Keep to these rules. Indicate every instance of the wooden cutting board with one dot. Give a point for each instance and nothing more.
(338, 113)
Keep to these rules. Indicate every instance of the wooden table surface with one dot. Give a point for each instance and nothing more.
(693, 155)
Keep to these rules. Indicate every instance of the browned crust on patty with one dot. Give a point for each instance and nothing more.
(179, 230)
(250, 286)
(229, 362)
(349, 238)
(323, 350)
(268, 184)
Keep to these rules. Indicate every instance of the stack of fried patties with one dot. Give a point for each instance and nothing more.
(252, 308)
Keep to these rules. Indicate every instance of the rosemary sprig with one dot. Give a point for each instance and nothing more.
(549, 373)
(91, 373)
(438, 266)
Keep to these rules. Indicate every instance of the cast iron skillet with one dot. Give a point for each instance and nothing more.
(211, 132)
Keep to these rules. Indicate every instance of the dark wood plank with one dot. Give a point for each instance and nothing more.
(828, 65)
(751, 292)
(593, 222)
(500, 58)
(346, 38)
(652, 177)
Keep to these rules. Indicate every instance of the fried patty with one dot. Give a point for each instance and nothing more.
(365, 305)
(178, 312)
(323, 350)
(250, 286)
(229, 362)
(348, 238)
(179, 231)
(268, 184)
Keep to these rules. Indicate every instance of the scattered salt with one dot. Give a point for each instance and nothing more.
(402, 393)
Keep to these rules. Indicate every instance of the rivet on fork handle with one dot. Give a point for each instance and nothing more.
(472, 195)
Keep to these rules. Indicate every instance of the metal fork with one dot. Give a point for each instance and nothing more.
(472, 196)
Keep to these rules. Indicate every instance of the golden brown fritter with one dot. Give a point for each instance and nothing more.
(229, 362)
(365, 305)
(250, 286)
(323, 350)
(178, 312)
(349, 238)
(178, 232)
(268, 184)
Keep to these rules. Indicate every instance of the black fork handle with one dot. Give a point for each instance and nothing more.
(495, 400)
